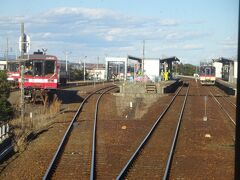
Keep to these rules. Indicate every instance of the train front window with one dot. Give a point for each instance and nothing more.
(38, 68)
(49, 67)
(208, 71)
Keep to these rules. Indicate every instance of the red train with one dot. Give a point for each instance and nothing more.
(207, 75)
(13, 72)
(41, 74)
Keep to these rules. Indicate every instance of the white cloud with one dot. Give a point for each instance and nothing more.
(95, 31)
(90, 13)
(229, 42)
(168, 22)
(189, 34)
(192, 47)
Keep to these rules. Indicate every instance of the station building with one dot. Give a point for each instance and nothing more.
(136, 69)
(226, 69)
(122, 68)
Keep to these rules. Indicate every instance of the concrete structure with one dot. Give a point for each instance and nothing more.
(218, 67)
(140, 89)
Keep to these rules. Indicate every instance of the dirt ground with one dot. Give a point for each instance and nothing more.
(197, 157)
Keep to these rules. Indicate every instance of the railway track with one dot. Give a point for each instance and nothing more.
(225, 97)
(204, 149)
(227, 106)
(153, 156)
(75, 156)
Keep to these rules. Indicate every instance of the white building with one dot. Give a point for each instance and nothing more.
(152, 68)
(235, 71)
(228, 69)
(218, 66)
(3, 65)
(96, 73)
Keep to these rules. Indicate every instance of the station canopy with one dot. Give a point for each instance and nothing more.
(169, 59)
(223, 60)
(135, 58)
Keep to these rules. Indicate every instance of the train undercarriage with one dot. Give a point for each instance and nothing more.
(39, 95)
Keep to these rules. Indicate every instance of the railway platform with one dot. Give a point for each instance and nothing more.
(148, 88)
(229, 88)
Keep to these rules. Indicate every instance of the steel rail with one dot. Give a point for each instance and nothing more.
(169, 161)
(219, 104)
(147, 137)
(234, 105)
(92, 172)
(54, 160)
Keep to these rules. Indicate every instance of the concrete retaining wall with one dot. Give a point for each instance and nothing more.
(139, 89)
(226, 89)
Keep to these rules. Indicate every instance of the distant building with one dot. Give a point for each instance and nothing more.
(133, 68)
(228, 70)
(96, 71)
(4, 63)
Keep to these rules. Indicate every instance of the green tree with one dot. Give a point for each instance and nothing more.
(6, 110)
(77, 74)
(187, 69)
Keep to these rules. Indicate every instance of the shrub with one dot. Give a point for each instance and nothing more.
(6, 110)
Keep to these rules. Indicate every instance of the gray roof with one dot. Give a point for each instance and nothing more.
(171, 59)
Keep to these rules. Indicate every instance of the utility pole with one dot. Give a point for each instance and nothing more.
(97, 62)
(84, 68)
(143, 56)
(22, 79)
(97, 67)
(66, 58)
(7, 55)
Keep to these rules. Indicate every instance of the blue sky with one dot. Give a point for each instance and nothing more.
(193, 31)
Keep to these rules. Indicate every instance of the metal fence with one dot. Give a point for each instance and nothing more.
(4, 132)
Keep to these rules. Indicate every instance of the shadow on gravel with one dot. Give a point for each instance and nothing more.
(6, 150)
(69, 96)
(34, 135)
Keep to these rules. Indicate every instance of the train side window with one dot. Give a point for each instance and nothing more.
(49, 67)
(12, 67)
(28, 67)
